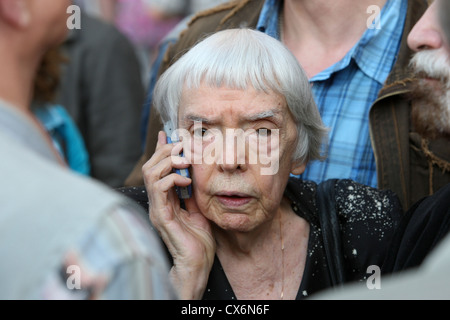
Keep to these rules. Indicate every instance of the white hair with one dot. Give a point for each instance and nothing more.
(433, 63)
(237, 59)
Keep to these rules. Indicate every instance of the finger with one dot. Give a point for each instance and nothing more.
(162, 139)
(191, 204)
(162, 152)
(153, 171)
(163, 197)
(166, 184)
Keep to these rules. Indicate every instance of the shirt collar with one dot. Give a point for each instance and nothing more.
(376, 51)
(268, 19)
(377, 47)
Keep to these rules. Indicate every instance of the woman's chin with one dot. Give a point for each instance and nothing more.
(235, 222)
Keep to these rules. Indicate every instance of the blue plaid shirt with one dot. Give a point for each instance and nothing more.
(345, 91)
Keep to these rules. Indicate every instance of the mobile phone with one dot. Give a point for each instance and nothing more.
(182, 192)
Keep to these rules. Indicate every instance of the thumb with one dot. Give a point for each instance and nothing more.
(191, 204)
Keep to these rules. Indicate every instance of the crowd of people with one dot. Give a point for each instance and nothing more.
(354, 119)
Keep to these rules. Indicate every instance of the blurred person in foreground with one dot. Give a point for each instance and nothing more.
(65, 134)
(63, 236)
(421, 247)
(250, 231)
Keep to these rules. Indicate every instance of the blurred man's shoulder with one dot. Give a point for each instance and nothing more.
(95, 33)
(233, 14)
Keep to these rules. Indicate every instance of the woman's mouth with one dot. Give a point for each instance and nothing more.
(233, 199)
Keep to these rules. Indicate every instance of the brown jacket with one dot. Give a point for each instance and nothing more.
(389, 116)
(411, 166)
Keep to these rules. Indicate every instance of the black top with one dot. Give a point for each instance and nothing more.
(367, 219)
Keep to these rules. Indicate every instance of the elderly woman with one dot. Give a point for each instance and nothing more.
(251, 230)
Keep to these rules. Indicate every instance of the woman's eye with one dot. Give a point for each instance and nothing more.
(199, 132)
(264, 132)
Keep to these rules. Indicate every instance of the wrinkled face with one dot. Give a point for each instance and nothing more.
(431, 65)
(247, 140)
(430, 113)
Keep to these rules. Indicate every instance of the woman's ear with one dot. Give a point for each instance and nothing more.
(298, 167)
(15, 12)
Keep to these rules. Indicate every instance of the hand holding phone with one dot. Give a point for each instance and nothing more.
(186, 232)
(182, 192)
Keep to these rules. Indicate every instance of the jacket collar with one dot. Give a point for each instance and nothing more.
(401, 76)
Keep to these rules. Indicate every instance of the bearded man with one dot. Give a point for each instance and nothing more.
(410, 127)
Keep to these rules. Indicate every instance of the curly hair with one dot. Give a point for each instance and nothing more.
(48, 75)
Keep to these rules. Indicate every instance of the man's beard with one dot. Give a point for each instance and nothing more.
(430, 114)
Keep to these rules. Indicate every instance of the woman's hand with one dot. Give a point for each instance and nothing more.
(186, 233)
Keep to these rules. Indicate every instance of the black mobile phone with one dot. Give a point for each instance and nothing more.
(172, 137)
